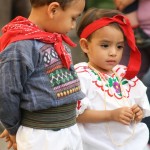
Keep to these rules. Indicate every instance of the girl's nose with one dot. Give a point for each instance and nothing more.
(113, 52)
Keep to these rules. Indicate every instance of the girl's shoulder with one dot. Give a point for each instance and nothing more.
(81, 67)
(83, 70)
(120, 70)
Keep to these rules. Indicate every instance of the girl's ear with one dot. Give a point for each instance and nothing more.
(84, 45)
(53, 9)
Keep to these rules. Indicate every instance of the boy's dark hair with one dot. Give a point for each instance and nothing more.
(95, 14)
(38, 3)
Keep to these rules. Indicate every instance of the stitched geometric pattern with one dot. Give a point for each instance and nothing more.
(48, 56)
(61, 76)
(63, 81)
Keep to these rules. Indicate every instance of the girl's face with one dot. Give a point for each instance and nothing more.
(105, 48)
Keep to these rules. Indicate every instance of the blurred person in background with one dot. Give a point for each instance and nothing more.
(130, 8)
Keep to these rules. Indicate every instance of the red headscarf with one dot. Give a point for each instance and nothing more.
(135, 56)
(21, 28)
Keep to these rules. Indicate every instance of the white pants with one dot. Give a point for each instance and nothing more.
(36, 139)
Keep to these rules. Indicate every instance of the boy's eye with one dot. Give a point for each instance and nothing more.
(74, 19)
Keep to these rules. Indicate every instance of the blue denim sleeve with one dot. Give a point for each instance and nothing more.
(13, 73)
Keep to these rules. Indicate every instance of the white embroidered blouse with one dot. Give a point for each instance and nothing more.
(107, 94)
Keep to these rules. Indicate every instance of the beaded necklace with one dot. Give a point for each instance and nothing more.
(124, 98)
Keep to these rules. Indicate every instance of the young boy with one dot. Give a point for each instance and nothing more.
(39, 86)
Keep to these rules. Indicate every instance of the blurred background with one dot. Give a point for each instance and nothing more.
(100, 3)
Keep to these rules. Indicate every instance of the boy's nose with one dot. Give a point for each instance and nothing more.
(73, 25)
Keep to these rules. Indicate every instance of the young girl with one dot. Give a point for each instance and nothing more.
(110, 114)
(39, 87)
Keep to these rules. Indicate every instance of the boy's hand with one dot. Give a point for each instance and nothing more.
(10, 139)
(138, 113)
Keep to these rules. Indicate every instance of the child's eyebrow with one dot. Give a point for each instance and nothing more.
(121, 41)
(104, 40)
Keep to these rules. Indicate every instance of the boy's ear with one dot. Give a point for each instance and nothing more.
(84, 45)
(52, 9)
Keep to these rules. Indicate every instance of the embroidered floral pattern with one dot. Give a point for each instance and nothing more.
(112, 86)
(116, 86)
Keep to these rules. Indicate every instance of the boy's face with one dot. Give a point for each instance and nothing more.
(65, 20)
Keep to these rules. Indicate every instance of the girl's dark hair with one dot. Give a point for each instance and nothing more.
(38, 3)
(95, 14)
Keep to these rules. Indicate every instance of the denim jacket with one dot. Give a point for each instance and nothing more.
(32, 77)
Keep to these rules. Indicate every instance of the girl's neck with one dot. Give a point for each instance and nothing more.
(92, 66)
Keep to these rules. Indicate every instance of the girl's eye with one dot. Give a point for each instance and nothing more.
(120, 47)
(104, 45)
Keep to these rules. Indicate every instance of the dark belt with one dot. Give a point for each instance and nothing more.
(54, 118)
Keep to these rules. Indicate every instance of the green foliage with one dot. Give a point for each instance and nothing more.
(100, 4)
